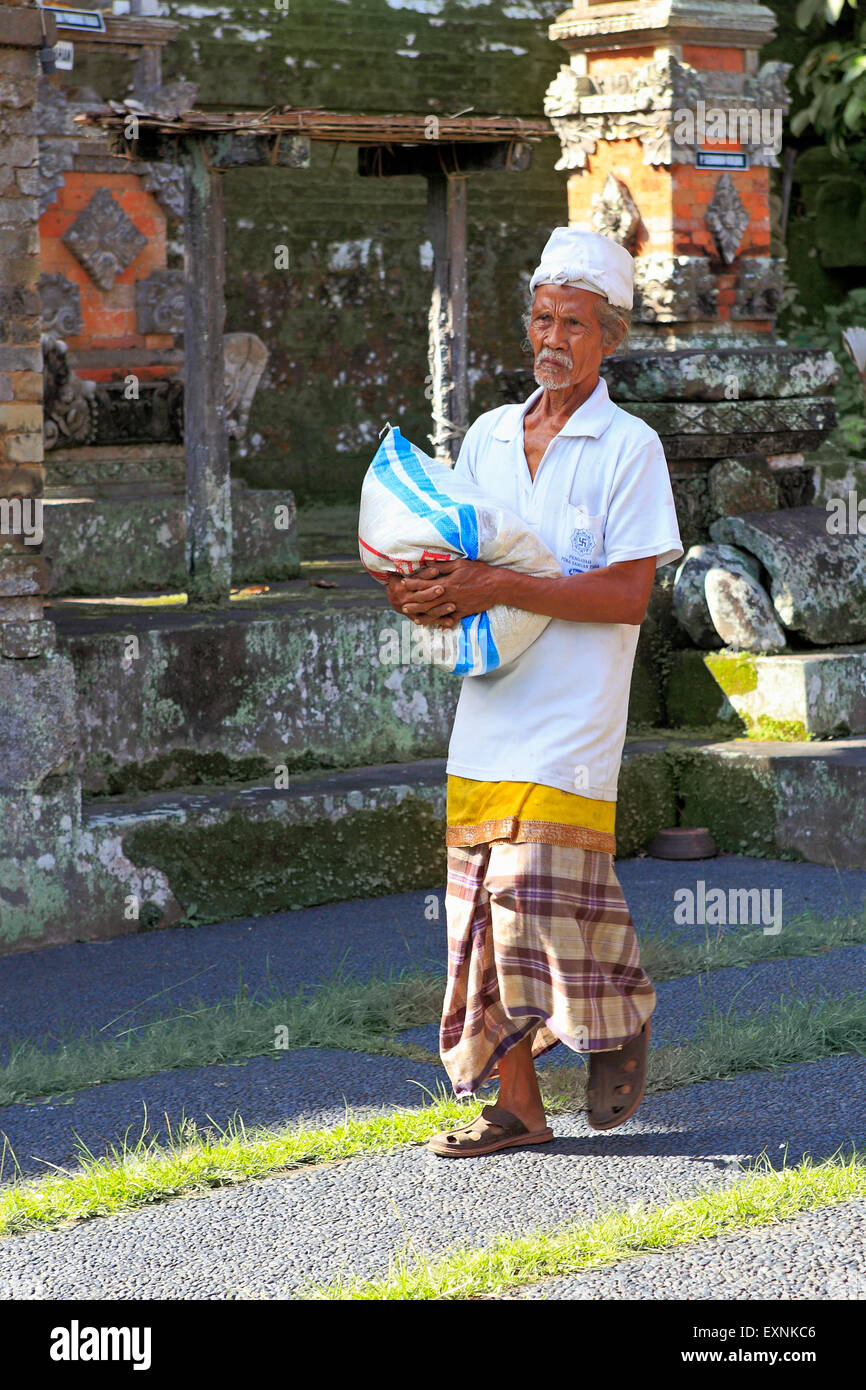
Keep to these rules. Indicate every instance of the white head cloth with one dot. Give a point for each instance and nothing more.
(588, 261)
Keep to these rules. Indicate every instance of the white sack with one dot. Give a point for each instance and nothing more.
(414, 509)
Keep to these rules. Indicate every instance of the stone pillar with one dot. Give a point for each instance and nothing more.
(40, 800)
(669, 125)
(22, 573)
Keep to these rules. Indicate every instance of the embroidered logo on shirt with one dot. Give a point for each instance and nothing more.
(581, 545)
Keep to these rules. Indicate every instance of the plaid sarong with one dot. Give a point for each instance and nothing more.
(540, 941)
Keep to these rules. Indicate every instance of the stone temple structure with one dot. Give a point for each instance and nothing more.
(164, 763)
(670, 124)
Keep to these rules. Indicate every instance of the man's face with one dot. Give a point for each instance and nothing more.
(565, 336)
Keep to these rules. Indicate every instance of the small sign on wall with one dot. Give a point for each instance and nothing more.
(721, 159)
(64, 55)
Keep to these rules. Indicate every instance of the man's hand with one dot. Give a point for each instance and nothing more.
(442, 594)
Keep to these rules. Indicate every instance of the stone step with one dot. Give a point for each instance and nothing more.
(305, 676)
(789, 800)
(123, 864)
(796, 696)
(241, 851)
(135, 539)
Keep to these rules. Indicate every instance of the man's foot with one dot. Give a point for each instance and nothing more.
(616, 1082)
(494, 1129)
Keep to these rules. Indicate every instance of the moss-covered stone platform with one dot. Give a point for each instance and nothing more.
(267, 756)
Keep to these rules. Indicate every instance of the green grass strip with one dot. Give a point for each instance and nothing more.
(141, 1172)
(354, 1015)
(763, 1199)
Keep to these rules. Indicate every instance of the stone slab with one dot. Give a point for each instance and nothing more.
(708, 374)
(817, 577)
(122, 865)
(795, 695)
(111, 544)
(788, 800)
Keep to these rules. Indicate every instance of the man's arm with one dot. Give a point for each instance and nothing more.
(443, 593)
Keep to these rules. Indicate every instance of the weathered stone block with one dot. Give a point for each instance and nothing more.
(118, 545)
(20, 640)
(694, 698)
(22, 609)
(795, 695)
(689, 597)
(20, 359)
(741, 612)
(22, 574)
(709, 374)
(37, 719)
(741, 485)
(789, 800)
(24, 448)
(818, 579)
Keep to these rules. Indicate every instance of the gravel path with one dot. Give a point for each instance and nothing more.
(315, 1085)
(817, 1255)
(47, 993)
(269, 1238)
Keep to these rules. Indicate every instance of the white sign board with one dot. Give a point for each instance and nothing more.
(64, 55)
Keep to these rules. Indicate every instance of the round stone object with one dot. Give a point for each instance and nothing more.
(689, 601)
(741, 612)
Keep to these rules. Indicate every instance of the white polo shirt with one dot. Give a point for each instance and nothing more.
(601, 494)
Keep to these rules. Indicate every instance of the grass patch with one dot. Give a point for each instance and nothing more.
(341, 1014)
(139, 1173)
(360, 1016)
(763, 1199)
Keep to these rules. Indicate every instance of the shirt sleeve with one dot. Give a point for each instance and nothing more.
(641, 516)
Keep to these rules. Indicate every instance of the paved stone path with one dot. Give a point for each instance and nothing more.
(817, 1255)
(273, 1237)
(270, 1238)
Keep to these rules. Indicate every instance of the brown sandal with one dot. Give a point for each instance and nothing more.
(616, 1082)
(494, 1129)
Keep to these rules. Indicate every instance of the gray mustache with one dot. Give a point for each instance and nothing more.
(552, 355)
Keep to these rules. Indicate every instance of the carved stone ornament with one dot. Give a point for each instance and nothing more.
(69, 404)
(245, 357)
(61, 306)
(648, 101)
(673, 288)
(576, 140)
(104, 239)
(562, 97)
(165, 182)
(726, 218)
(616, 213)
(56, 158)
(759, 288)
(159, 302)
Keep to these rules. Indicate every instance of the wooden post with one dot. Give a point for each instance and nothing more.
(208, 483)
(447, 345)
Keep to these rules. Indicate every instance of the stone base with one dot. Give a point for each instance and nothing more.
(118, 866)
(792, 696)
(132, 538)
(790, 800)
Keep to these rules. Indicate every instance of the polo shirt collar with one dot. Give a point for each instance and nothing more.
(592, 418)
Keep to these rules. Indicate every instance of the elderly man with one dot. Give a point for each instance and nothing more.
(541, 945)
